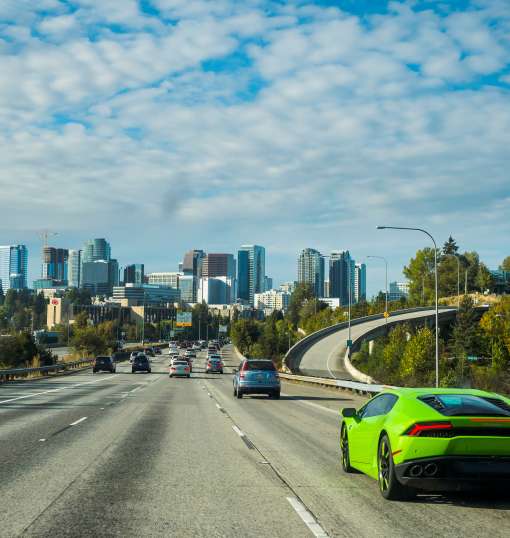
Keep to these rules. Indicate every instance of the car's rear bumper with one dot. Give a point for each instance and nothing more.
(258, 389)
(455, 473)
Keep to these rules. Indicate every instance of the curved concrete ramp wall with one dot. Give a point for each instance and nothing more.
(322, 354)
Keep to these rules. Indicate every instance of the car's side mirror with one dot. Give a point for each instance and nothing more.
(235, 370)
(349, 412)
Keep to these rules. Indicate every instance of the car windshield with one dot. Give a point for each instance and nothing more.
(452, 405)
(259, 365)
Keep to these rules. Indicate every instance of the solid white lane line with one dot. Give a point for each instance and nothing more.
(78, 421)
(42, 440)
(135, 389)
(54, 390)
(238, 431)
(307, 518)
(311, 404)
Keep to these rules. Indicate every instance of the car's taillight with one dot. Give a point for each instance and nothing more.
(173, 368)
(241, 375)
(430, 429)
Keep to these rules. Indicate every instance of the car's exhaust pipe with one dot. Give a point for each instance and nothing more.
(416, 470)
(430, 470)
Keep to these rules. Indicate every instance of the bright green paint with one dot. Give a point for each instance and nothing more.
(364, 434)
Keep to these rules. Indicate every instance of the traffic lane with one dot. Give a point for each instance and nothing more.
(178, 470)
(33, 481)
(302, 442)
(28, 424)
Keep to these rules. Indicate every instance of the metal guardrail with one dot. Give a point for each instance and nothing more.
(360, 388)
(16, 373)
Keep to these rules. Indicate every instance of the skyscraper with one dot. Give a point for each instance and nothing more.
(192, 266)
(251, 271)
(13, 267)
(74, 269)
(134, 274)
(218, 282)
(360, 282)
(93, 276)
(340, 274)
(55, 264)
(95, 250)
(311, 270)
(219, 265)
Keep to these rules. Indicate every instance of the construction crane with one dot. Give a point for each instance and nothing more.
(43, 235)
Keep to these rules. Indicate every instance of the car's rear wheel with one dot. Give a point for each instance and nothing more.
(389, 486)
(345, 456)
(239, 394)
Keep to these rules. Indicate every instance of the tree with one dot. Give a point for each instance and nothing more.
(484, 279)
(505, 266)
(77, 296)
(245, 333)
(495, 325)
(301, 293)
(417, 366)
(39, 311)
(393, 353)
(420, 273)
(450, 246)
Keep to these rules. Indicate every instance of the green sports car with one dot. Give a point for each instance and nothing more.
(428, 439)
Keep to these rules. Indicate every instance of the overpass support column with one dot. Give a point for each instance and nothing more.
(370, 347)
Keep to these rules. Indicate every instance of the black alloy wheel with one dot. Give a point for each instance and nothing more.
(389, 486)
(344, 451)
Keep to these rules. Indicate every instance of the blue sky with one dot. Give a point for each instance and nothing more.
(166, 125)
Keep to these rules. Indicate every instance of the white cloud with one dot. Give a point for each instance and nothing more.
(353, 124)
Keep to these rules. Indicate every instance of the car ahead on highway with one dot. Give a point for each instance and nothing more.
(104, 364)
(256, 376)
(180, 369)
(149, 352)
(429, 439)
(141, 364)
(214, 365)
(190, 354)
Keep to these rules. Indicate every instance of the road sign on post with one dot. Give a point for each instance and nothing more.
(349, 343)
(386, 314)
(183, 319)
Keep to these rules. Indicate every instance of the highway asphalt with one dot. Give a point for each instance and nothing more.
(326, 357)
(145, 455)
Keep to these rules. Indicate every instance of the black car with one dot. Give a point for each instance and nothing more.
(141, 364)
(149, 351)
(104, 364)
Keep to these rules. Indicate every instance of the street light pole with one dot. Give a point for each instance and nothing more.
(386, 263)
(436, 285)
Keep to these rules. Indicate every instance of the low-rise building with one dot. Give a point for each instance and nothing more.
(272, 300)
(398, 290)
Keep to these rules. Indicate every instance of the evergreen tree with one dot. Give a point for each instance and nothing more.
(450, 246)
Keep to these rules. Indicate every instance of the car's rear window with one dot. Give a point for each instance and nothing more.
(259, 365)
(103, 360)
(452, 405)
(180, 363)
